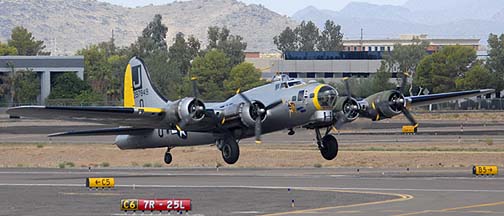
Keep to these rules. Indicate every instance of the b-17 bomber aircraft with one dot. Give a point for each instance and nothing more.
(148, 120)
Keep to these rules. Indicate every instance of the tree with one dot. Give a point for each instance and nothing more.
(439, 71)
(166, 69)
(98, 71)
(495, 61)
(359, 87)
(25, 43)
(25, 87)
(231, 45)
(381, 80)
(331, 39)
(286, 41)
(104, 65)
(6, 50)
(211, 69)
(406, 58)
(308, 35)
(166, 76)
(182, 52)
(244, 77)
(477, 77)
(67, 86)
(152, 39)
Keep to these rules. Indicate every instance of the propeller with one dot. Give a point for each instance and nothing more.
(403, 108)
(258, 112)
(196, 108)
(347, 109)
(197, 111)
(398, 103)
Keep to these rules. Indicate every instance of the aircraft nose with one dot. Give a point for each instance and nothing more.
(325, 97)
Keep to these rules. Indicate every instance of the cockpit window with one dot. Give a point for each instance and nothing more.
(327, 96)
(300, 95)
(295, 83)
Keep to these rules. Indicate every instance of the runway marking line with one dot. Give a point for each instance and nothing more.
(402, 197)
(455, 208)
(90, 194)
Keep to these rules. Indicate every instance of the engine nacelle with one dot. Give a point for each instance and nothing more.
(248, 113)
(386, 104)
(348, 108)
(187, 110)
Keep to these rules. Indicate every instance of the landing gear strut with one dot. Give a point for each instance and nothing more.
(230, 150)
(328, 144)
(168, 157)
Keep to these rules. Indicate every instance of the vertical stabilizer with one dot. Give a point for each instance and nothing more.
(138, 88)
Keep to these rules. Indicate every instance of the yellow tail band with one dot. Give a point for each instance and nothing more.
(129, 99)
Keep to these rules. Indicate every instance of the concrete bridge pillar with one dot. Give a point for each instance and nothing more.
(45, 86)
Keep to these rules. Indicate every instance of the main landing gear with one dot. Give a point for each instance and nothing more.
(230, 150)
(328, 144)
(168, 157)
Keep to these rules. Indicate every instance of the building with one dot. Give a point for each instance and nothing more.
(327, 66)
(44, 66)
(360, 58)
(388, 44)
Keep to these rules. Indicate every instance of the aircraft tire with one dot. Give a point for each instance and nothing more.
(230, 151)
(330, 149)
(168, 158)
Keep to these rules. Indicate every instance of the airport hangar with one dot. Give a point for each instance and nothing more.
(44, 66)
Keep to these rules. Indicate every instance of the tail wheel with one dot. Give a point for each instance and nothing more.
(329, 148)
(230, 151)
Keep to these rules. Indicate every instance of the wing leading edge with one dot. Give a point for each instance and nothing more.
(103, 132)
(445, 97)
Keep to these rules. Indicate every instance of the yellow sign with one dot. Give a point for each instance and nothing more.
(409, 128)
(100, 182)
(485, 170)
(129, 204)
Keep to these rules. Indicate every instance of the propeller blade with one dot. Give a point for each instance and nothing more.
(258, 130)
(194, 86)
(347, 87)
(404, 82)
(274, 104)
(408, 115)
(340, 121)
(245, 98)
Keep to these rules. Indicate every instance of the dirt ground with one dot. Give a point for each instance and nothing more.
(394, 155)
(56, 155)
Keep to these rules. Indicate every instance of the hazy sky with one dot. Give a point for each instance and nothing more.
(285, 7)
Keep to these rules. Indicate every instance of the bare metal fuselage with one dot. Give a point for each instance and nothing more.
(298, 109)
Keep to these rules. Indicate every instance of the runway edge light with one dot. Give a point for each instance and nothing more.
(95, 183)
(485, 170)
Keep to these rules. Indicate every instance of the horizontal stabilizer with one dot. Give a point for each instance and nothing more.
(104, 132)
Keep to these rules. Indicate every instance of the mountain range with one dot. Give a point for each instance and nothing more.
(69, 25)
(442, 19)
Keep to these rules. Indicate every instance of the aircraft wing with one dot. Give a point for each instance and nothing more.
(105, 131)
(143, 117)
(444, 97)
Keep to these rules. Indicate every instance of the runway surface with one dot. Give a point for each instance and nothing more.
(324, 191)
(358, 132)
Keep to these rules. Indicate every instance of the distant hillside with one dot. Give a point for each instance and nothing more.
(69, 25)
(447, 18)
